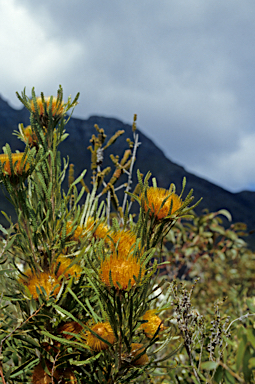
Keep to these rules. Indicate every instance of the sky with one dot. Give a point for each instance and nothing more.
(185, 67)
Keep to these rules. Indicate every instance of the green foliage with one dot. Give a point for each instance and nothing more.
(213, 304)
(77, 278)
(93, 294)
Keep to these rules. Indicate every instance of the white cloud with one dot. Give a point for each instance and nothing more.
(30, 56)
(235, 169)
(186, 68)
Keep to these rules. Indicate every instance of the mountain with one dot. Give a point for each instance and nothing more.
(149, 158)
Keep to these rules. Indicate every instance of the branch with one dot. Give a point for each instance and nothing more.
(240, 318)
(235, 375)
(136, 145)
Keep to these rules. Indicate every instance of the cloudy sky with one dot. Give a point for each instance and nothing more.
(186, 67)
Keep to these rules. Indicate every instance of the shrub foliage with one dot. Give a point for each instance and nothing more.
(93, 293)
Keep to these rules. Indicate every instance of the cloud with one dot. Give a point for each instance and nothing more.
(29, 54)
(186, 68)
(236, 169)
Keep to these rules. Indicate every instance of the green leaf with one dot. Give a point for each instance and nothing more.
(9, 244)
(246, 370)
(68, 314)
(240, 353)
(24, 367)
(28, 339)
(3, 271)
(218, 374)
(209, 365)
(3, 230)
(251, 304)
(251, 364)
(229, 379)
(87, 361)
(251, 336)
(78, 179)
(65, 341)
(225, 213)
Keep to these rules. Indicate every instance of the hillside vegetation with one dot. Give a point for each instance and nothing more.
(103, 287)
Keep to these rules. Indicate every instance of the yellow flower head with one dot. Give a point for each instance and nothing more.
(57, 109)
(72, 327)
(44, 279)
(60, 267)
(20, 167)
(122, 270)
(126, 242)
(78, 233)
(136, 349)
(152, 325)
(101, 230)
(103, 330)
(30, 136)
(156, 196)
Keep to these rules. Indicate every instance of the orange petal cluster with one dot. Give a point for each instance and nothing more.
(152, 324)
(41, 377)
(30, 136)
(48, 281)
(136, 349)
(121, 270)
(78, 233)
(103, 330)
(71, 327)
(121, 265)
(125, 241)
(57, 108)
(155, 197)
(51, 278)
(20, 168)
(100, 230)
(61, 267)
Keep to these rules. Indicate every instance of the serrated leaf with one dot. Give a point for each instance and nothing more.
(87, 361)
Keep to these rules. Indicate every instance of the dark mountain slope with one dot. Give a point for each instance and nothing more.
(149, 157)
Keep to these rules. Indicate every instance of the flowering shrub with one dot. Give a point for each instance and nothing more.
(91, 293)
(77, 302)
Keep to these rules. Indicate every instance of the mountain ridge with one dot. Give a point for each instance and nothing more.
(149, 158)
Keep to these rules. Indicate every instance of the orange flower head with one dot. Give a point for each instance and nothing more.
(126, 242)
(78, 233)
(41, 377)
(57, 108)
(60, 267)
(122, 271)
(101, 230)
(71, 327)
(20, 167)
(30, 136)
(136, 349)
(156, 196)
(103, 330)
(153, 322)
(44, 279)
